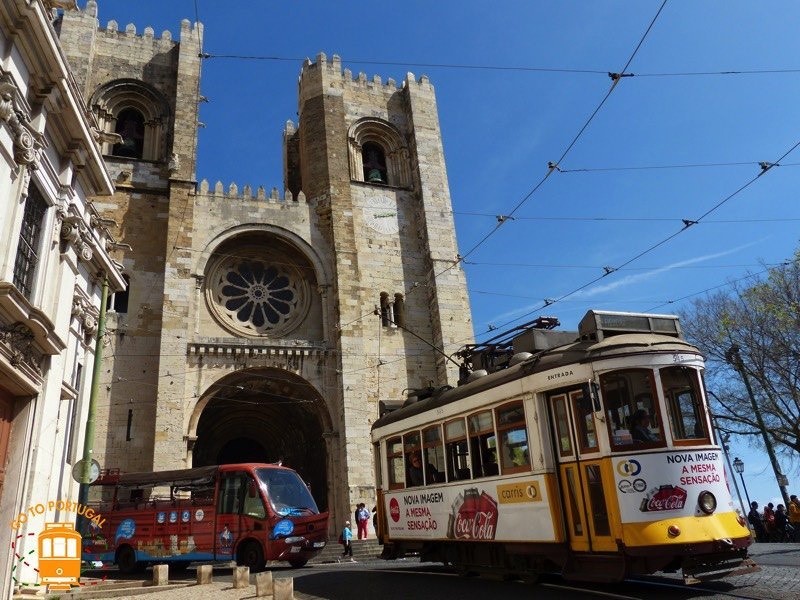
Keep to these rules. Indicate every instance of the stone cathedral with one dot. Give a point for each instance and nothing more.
(266, 326)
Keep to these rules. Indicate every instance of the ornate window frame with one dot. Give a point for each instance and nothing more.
(395, 150)
(111, 99)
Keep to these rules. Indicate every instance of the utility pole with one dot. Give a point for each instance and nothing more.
(735, 359)
(88, 437)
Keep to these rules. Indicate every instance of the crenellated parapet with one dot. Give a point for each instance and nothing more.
(333, 73)
(189, 31)
(218, 192)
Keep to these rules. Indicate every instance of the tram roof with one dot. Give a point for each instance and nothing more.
(577, 352)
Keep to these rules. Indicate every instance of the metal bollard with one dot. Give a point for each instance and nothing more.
(241, 577)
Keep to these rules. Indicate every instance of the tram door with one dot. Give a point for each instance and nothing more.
(580, 473)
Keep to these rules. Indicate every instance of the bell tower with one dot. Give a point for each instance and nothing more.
(142, 89)
(368, 155)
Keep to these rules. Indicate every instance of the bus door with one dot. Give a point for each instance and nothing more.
(235, 508)
(580, 473)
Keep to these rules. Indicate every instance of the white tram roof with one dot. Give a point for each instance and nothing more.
(582, 351)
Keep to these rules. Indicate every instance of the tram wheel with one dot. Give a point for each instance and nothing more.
(127, 563)
(251, 555)
(298, 563)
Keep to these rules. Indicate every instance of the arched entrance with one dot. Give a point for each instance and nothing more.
(264, 415)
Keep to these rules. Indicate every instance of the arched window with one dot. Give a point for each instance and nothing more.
(374, 159)
(130, 125)
(378, 154)
(138, 113)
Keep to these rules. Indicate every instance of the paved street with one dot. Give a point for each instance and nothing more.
(779, 579)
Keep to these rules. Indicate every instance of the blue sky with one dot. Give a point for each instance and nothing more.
(502, 126)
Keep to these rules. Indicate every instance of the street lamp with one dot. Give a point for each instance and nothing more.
(738, 466)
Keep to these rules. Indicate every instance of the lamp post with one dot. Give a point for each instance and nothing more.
(735, 359)
(738, 466)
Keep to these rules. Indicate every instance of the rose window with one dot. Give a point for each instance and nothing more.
(256, 297)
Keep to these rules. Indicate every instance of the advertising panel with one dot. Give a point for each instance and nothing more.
(511, 509)
(656, 486)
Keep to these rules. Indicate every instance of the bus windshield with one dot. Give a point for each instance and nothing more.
(286, 492)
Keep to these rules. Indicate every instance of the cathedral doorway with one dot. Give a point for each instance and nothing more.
(264, 415)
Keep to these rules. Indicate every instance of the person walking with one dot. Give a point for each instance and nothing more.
(347, 541)
(781, 526)
(769, 521)
(362, 520)
(758, 525)
(794, 518)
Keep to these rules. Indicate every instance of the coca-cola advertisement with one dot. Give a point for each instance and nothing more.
(665, 484)
(666, 497)
(474, 517)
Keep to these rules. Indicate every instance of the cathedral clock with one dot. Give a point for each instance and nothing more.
(380, 213)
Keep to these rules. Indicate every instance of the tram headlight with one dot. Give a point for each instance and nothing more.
(707, 502)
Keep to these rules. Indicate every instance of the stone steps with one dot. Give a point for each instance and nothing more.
(363, 550)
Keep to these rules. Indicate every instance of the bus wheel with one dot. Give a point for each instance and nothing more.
(298, 563)
(126, 561)
(251, 555)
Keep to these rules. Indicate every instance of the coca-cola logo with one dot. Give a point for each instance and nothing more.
(666, 497)
(475, 518)
(394, 509)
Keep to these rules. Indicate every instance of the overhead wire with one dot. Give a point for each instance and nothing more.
(519, 68)
(552, 166)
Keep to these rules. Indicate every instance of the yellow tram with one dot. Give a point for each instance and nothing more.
(586, 453)
(60, 556)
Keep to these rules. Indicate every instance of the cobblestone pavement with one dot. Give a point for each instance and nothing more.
(777, 580)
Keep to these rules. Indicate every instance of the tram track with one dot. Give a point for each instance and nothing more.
(680, 590)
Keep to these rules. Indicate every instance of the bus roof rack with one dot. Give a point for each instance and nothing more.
(197, 476)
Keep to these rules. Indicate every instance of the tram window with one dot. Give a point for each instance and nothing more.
(562, 425)
(513, 437)
(572, 492)
(378, 464)
(72, 547)
(413, 457)
(681, 391)
(594, 483)
(396, 468)
(483, 444)
(433, 455)
(457, 450)
(584, 418)
(59, 547)
(629, 395)
(47, 548)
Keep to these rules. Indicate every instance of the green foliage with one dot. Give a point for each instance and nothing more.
(760, 317)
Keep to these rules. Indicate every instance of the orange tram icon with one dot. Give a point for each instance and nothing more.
(59, 556)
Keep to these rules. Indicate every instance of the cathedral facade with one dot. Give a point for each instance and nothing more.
(265, 325)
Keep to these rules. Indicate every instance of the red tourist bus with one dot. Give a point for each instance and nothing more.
(250, 513)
